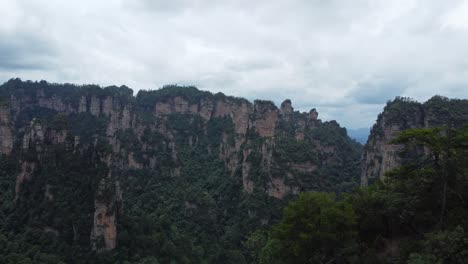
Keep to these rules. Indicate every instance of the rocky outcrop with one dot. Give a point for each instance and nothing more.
(313, 115)
(109, 126)
(265, 118)
(39, 144)
(104, 230)
(33, 142)
(286, 108)
(25, 174)
(380, 155)
(6, 130)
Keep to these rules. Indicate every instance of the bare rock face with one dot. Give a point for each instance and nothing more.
(266, 115)
(104, 231)
(239, 113)
(246, 181)
(53, 103)
(313, 115)
(305, 167)
(241, 118)
(126, 118)
(82, 106)
(380, 155)
(34, 138)
(26, 172)
(107, 106)
(177, 104)
(6, 130)
(286, 108)
(278, 189)
(95, 106)
(132, 163)
(206, 109)
(162, 109)
(180, 105)
(300, 130)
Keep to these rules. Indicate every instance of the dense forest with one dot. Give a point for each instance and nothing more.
(417, 214)
(178, 175)
(175, 175)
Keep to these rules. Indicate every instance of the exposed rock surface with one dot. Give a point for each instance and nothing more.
(380, 155)
(104, 230)
(274, 151)
(6, 130)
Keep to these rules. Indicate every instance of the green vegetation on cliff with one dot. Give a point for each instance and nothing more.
(178, 186)
(418, 214)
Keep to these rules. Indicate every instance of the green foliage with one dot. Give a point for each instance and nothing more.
(185, 124)
(449, 246)
(34, 246)
(87, 126)
(425, 196)
(435, 183)
(454, 111)
(188, 208)
(314, 229)
(23, 222)
(68, 93)
(254, 244)
(217, 127)
(146, 99)
(200, 216)
(167, 92)
(401, 111)
(291, 150)
(416, 215)
(129, 140)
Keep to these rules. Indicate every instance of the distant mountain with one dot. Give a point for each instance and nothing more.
(359, 134)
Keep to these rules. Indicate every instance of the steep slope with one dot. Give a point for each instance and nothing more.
(91, 163)
(380, 156)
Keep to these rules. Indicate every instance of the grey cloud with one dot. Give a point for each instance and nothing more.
(378, 92)
(345, 58)
(168, 7)
(24, 53)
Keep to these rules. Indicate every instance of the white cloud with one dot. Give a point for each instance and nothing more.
(346, 58)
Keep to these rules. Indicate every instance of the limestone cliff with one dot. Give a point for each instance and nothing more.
(50, 159)
(6, 130)
(104, 132)
(380, 156)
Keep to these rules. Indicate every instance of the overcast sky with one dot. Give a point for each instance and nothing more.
(345, 58)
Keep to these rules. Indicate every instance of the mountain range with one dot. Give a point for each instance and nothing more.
(95, 174)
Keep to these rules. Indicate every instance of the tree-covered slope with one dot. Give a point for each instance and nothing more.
(177, 175)
(417, 215)
(381, 156)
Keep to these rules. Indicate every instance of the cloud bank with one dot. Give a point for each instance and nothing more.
(345, 58)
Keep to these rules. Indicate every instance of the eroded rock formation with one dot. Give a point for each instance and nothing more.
(380, 155)
(273, 151)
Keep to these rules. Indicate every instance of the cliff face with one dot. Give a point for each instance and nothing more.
(62, 174)
(6, 130)
(380, 156)
(62, 129)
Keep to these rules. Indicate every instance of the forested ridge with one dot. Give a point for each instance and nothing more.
(416, 214)
(179, 175)
(174, 175)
